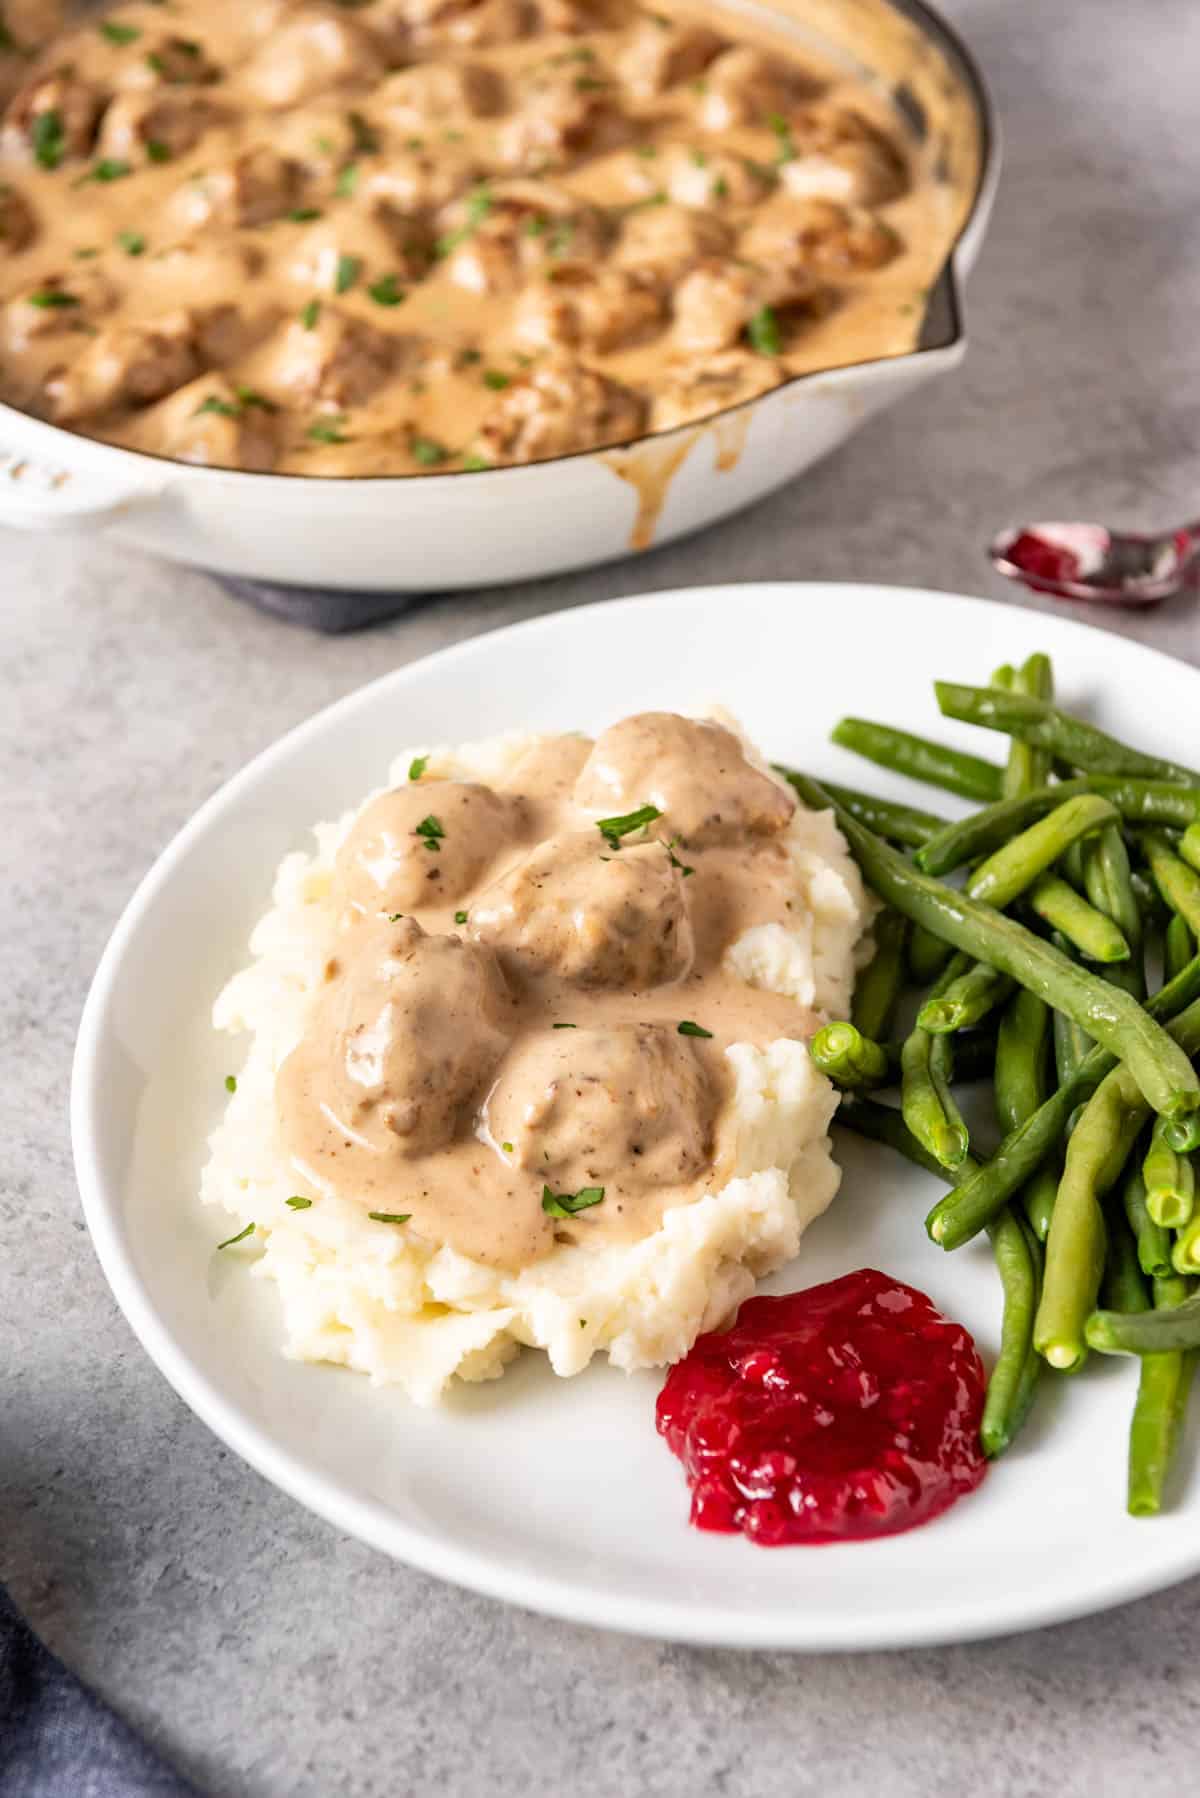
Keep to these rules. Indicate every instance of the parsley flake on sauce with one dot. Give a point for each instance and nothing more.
(390, 1217)
(231, 1083)
(118, 34)
(347, 273)
(431, 831)
(386, 292)
(417, 766)
(566, 1204)
(674, 859)
(328, 430)
(240, 1237)
(310, 314)
(460, 917)
(428, 452)
(132, 242)
(763, 333)
(298, 1204)
(687, 1028)
(613, 829)
(48, 139)
(50, 299)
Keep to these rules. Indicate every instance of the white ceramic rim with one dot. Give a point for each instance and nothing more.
(376, 1524)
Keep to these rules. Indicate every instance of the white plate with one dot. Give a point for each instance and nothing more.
(557, 1494)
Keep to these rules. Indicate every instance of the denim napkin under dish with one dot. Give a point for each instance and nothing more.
(57, 1740)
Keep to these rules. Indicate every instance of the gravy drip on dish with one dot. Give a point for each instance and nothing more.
(500, 1008)
(405, 237)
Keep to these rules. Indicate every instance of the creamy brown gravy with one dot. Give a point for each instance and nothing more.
(415, 235)
(432, 1083)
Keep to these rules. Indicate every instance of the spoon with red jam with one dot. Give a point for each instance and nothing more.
(1090, 562)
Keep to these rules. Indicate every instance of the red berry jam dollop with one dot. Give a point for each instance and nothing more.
(847, 1411)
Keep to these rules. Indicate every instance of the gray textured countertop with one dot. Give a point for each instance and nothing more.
(264, 1652)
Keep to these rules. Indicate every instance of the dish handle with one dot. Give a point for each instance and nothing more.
(36, 495)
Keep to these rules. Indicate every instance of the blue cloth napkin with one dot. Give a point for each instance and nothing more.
(57, 1740)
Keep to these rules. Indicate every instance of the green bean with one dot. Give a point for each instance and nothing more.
(1150, 900)
(884, 1124)
(1011, 1387)
(1113, 1017)
(878, 987)
(1138, 801)
(903, 824)
(961, 1214)
(1108, 885)
(1150, 1333)
(1170, 1183)
(926, 1102)
(1038, 722)
(1097, 1151)
(1180, 946)
(1153, 1242)
(1027, 767)
(1158, 1414)
(1124, 1287)
(927, 956)
(851, 1059)
(1189, 847)
(1022, 1059)
(966, 1001)
(1006, 874)
(1178, 884)
(1185, 1252)
(1075, 1248)
(934, 763)
(1071, 1043)
(1039, 1194)
(1060, 906)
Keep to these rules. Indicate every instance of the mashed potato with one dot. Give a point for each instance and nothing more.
(373, 1297)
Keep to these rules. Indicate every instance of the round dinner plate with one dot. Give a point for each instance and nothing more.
(558, 1494)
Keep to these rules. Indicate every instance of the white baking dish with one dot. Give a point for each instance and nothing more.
(470, 529)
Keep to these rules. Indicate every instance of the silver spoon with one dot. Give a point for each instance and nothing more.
(1087, 561)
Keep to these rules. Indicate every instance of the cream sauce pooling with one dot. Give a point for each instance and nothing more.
(461, 1059)
(400, 238)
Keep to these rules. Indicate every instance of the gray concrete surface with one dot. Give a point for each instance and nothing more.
(268, 1655)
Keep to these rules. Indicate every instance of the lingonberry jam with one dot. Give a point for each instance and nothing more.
(847, 1411)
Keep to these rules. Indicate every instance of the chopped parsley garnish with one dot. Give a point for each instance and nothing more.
(414, 143)
(240, 1237)
(535, 224)
(304, 215)
(48, 139)
(82, 255)
(674, 859)
(223, 409)
(328, 430)
(298, 1204)
(430, 830)
(109, 168)
(417, 766)
(476, 464)
(699, 158)
(687, 1028)
(566, 1204)
(496, 379)
(763, 333)
(559, 241)
(50, 298)
(132, 242)
(118, 34)
(720, 188)
(157, 151)
(366, 138)
(346, 273)
(588, 84)
(566, 1026)
(613, 829)
(249, 396)
(427, 451)
(385, 292)
(785, 148)
(460, 917)
(479, 204)
(310, 314)
(231, 1083)
(655, 199)
(507, 1147)
(390, 1217)
(347, 181)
